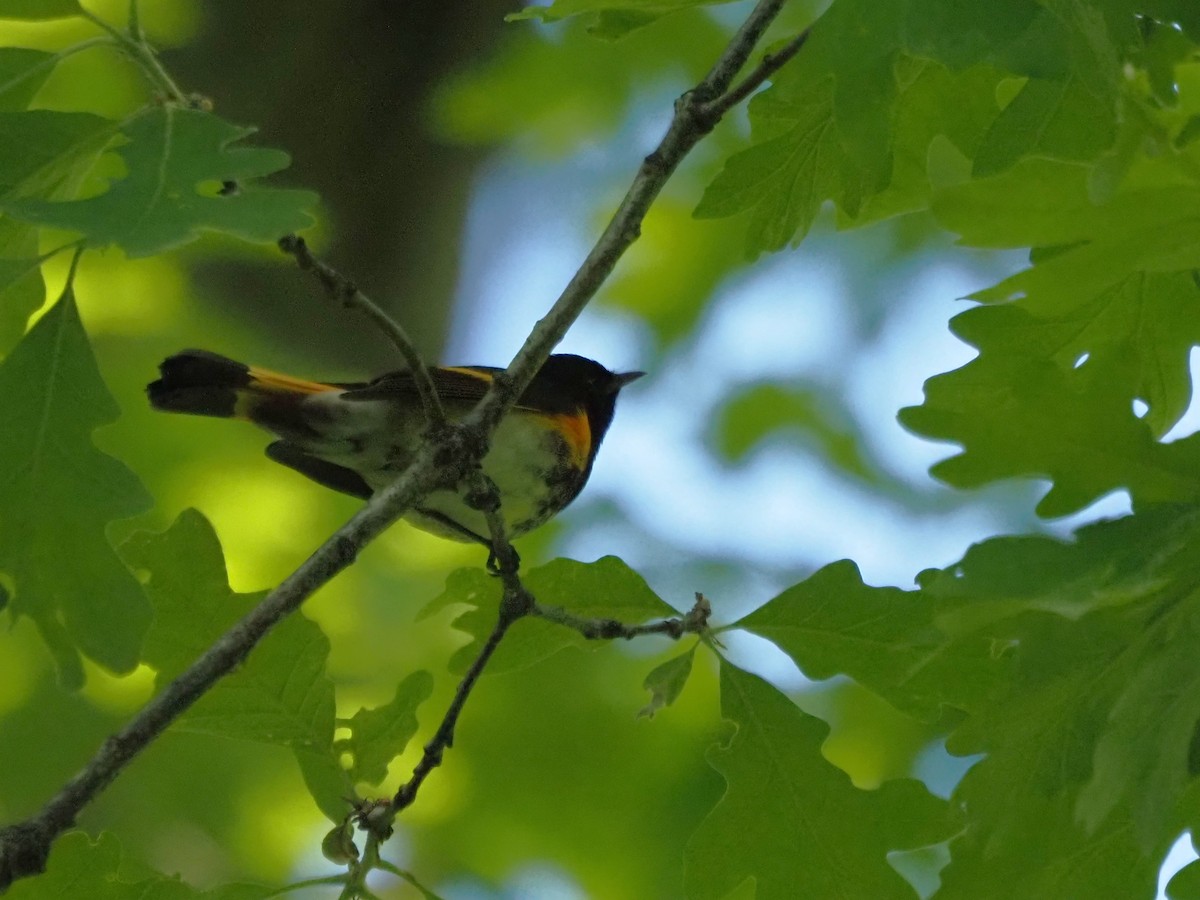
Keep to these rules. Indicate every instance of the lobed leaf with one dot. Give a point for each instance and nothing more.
(791, 820)
(280, 695)
(178, 160)
(22, 73)
(783, 180)
(885, 638)
(57, 495)
(1071, 664)
(606, 588)
(665, 682)
(377, 736)
(80, 867)
(39, 9)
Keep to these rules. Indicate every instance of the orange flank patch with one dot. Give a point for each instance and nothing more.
(577, 432)
(266, 380)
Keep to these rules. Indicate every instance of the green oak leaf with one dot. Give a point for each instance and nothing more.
(1071, 664)
(1086, 748)
(1141, 331)
(22, 292)
(933, 103)
(1109, 563)
(1148, 226)
(1022, 415)
(1144, 758)
(1053, 857)
(1024, 836)
(791, 820)
(666, 682)
(1019, 36)
(82, 868)
(1104, 317)
(861, 86)
(783, 180)
(1185, 884)
(57, 495)
(22, 73)
(43, 154)
(606, 588)
(379, 735)
(885, 638)
(280, 695)
(177, 160)
(1057, 119)
(39, 9)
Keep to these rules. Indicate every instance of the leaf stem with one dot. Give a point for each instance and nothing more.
(142, 53)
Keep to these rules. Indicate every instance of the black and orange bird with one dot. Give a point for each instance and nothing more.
(357, 438)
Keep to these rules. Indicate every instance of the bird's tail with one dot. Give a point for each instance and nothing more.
(201, 383)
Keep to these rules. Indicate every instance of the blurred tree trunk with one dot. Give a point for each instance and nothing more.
(345, 88)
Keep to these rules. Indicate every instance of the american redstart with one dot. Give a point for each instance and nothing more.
(357, 438)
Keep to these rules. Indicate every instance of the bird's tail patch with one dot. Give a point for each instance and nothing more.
(201, 383)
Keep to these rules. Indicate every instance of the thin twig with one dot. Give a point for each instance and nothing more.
(446, 462)
(344, 291)
(481, 494)
(513, 606)
(695, 622)
(771, 63)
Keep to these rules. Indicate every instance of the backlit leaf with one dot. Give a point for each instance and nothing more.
(604, 589)
(57, 495)
(792, 821)
(178, 160)
(280, 695)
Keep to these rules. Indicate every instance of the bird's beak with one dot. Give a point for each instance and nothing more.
(623, 378)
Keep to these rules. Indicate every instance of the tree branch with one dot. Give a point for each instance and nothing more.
(695, 622)
(25, 846)
(442, 463)
(696, 113)
(344, 291)
(513, 606)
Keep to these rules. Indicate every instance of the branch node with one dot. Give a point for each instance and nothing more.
(24, 849)
(435, 750)
(655, 163)
(375, 817)
(516, 603)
